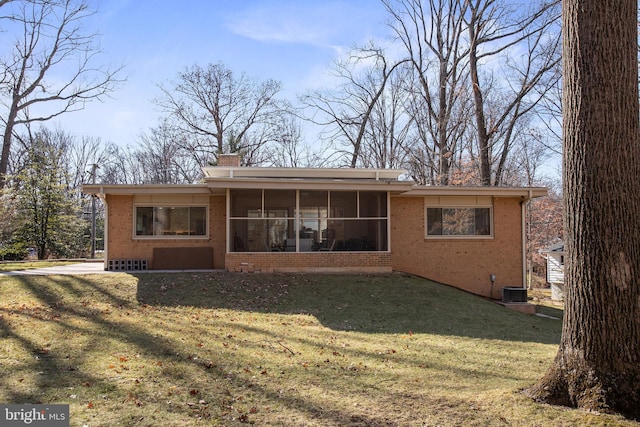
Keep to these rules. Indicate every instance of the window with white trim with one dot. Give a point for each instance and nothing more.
(171, 221)
(451, 217)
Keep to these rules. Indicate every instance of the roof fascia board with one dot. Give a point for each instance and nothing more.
(216, 172)
(308, 184)
(400, 188)
(528, 192)
(128, 189)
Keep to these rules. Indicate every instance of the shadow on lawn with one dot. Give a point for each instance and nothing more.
(67, 304)
(393, 303)
(59, 370)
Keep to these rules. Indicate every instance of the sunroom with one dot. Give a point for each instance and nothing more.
(292, 210)
(308, 220)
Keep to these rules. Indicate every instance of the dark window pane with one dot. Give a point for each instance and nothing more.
(344, 204)
(262, 235)
(144, 221)
(313, 204)
(358, 234)
(279, 203)
(373, 204)
(239, 231)
(249, 235)
(245, 203)
(277, 232)
(434, 221)
(483, 222)
(197, 221)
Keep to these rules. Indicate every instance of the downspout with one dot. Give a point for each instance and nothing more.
(105, 237)
(523, 215)
(389, 223)
(228, 247)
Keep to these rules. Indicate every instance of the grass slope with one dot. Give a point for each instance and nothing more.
(232, 349)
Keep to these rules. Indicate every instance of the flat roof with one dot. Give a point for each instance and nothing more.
(222, 172)
(217, 179)
(428, 190)
(398, 189)
(130, 189)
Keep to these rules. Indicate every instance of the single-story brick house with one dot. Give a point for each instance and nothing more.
(320, 220)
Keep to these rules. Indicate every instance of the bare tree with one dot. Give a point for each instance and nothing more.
(120, 167)
(163, 159)
(387, 142)
(289, 150)
(432, 34)
(80, 157)
(496, 31)
(219, 111)
(48, 39)
(346, 110)
(597, 366)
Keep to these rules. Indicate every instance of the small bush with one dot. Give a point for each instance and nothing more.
(14, 252)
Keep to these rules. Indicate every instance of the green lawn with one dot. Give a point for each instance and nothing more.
(234, 349)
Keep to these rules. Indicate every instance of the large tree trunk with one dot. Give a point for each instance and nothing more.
(598, 363)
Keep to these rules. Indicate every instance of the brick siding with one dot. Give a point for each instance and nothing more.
(464, 263)
(122, 245)
(378, 262)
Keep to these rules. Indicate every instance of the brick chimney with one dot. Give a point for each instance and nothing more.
(232, 160)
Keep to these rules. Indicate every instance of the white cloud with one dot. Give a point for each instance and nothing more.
(325, 24)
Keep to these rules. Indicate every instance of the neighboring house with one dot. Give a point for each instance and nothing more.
(555, 263)
(320, 220)
(555, 270)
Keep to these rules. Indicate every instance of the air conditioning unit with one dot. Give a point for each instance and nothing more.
(514, 294)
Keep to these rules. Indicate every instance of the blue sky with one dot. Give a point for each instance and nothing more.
(293, 41)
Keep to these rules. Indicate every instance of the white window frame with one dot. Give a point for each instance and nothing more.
(453, 202)
(170, 236)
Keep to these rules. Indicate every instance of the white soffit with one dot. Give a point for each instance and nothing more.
(527, 192)
(223, 172)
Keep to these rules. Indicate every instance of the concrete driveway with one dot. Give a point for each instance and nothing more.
(71, 269)
(87, 268)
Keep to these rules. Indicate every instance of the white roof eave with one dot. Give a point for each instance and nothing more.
(301, 173)
(526, 192)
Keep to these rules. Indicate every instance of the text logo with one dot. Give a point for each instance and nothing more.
(34, 415)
